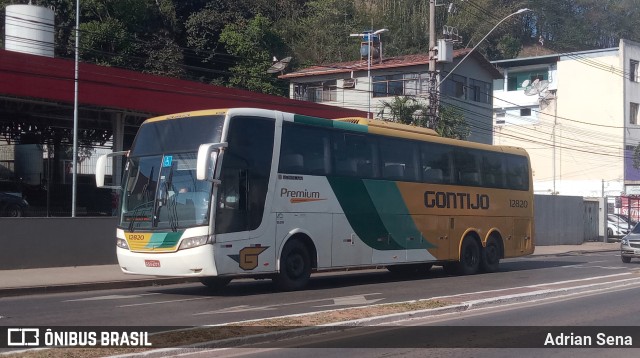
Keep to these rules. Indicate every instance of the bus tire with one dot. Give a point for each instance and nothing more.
(491, 256)
(626, 259)
(295, 267)
(470, 256)
(215, 283)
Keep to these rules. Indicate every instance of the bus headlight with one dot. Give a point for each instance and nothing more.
(122, 243)
(194, 241)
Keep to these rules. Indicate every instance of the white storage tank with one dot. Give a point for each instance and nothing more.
(29, 29)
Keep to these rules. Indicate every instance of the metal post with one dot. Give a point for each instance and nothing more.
(369, 75)
(74, 188)
(434, 98)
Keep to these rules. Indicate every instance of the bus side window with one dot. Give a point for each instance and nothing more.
(492, 167)
(304, 150)
(399, 159)
(355, 155)
(466, 167)
(436, 163)
(517, 172)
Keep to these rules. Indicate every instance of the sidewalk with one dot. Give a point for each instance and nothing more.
(85, 278)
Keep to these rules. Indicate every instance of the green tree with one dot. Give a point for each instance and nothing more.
(253, 43)
(319, 32)
(408, 110)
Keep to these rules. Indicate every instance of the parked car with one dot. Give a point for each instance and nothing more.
(617, 227)
(12, 205)
(626, 219)
(12, 202)
(630, 245)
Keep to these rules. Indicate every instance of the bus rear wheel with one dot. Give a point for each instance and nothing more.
(295, 267)
(469, 257)
(215, 283)
(491, 256)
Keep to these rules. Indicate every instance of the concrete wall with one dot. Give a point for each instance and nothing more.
(559, 220)
(56, 242)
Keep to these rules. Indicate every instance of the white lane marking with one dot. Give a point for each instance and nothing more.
(111, 297)
(351, 301)
(337, 301)
(600, 267)
(163, 302)
(538, 285)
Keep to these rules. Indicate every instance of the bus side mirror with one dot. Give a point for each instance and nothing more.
(208, 160)
(101, 169)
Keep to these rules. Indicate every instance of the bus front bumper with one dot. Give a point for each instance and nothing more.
(194, 262)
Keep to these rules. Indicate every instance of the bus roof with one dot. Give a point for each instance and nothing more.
(376, 123)
(361, 124)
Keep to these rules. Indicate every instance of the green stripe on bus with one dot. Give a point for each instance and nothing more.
(322, 122)
(395, 216)
(164, 240)
(350, 126)
(314, 121)
(362, 214)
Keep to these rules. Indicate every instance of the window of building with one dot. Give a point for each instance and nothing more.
(408, 84)
(633, 70)
(454, 86)
(525, 112)
(633, 113)
(516, 79)
(326, 91)
(479, 91)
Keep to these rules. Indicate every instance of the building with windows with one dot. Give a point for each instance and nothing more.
(358, 85)
(577, 116)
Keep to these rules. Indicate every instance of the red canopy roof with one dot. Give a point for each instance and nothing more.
(52, 79)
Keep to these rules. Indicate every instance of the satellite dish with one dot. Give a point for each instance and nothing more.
(545, 98)
(279, 66)
(526, 83)
(536, 87)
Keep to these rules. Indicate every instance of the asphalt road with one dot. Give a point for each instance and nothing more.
(194, 305)
(610, 313)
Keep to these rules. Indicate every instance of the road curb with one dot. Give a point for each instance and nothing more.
(93, 286)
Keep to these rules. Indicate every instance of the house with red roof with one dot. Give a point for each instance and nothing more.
(364, 86)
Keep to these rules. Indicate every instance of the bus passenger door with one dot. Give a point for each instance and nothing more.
(347, 248)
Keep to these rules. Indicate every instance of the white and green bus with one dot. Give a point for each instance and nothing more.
(223, 194)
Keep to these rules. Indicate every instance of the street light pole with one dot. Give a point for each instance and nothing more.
(479, 42)
(369, 37)
(434, 83)
(74, 185)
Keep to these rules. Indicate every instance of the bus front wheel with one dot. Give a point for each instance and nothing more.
(295, 267)
(469, 257)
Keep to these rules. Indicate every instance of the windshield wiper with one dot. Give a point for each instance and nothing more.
(134, 216)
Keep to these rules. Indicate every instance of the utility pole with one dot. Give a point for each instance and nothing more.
(434, 95)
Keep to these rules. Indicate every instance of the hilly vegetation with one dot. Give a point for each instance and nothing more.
(232, 42)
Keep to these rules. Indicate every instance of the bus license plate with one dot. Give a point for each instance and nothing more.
(152, 263)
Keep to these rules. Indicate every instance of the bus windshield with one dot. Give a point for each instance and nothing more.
(160, 189)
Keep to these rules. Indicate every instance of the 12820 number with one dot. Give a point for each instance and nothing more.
(518, 203)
